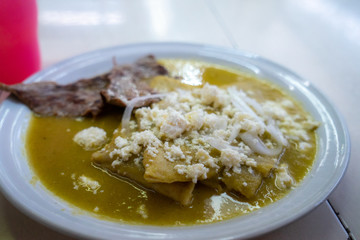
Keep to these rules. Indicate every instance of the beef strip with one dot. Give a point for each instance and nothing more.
(50, 99)
(83, 97)
(127, 81)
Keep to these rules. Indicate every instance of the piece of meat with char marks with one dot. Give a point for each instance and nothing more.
(88, 96)
(128, 81)
(50, 99)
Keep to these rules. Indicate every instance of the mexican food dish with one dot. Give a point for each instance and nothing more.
(167, 142)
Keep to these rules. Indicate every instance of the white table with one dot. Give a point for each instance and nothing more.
(319, 40)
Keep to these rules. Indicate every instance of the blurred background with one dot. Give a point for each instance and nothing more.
(317, 39)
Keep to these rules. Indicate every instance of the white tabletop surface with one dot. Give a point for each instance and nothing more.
(318, 39)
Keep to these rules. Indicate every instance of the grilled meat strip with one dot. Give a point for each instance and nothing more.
(86, 96)
(128, 81)
(72, 100)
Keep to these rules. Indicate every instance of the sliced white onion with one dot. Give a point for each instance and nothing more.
(257, 145)
(275, 133)
(245, 104)
(125, 121)
(234, 133)
(253, 103)
(241, 104)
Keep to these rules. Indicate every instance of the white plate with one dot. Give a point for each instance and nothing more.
(331, 161)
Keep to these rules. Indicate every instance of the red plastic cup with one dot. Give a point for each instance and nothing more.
(19, 48)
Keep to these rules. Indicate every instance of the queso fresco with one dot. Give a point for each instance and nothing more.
(213, 144)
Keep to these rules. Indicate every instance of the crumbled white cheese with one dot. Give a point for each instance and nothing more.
(283, 179)
(298, 134)
(152, 151)
(179, 141)
(244, 148)
(146, 138)
(185, 97)
(120, 142)
(275, 110)
(193, 171)
(221, 133)
(125, 149)
(253, 126)
(214, 121)
(132, 125)
(91, 138)
(174, 125)
(173, 152)
(195, 119)
(231, 158)
(115, 163)
(124, 153)
(170, 100)
(89, 184)
(211, 94)
(208, 94)
(203, 157)
(143, 115)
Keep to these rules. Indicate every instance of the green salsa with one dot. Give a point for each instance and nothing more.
(57, 160)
